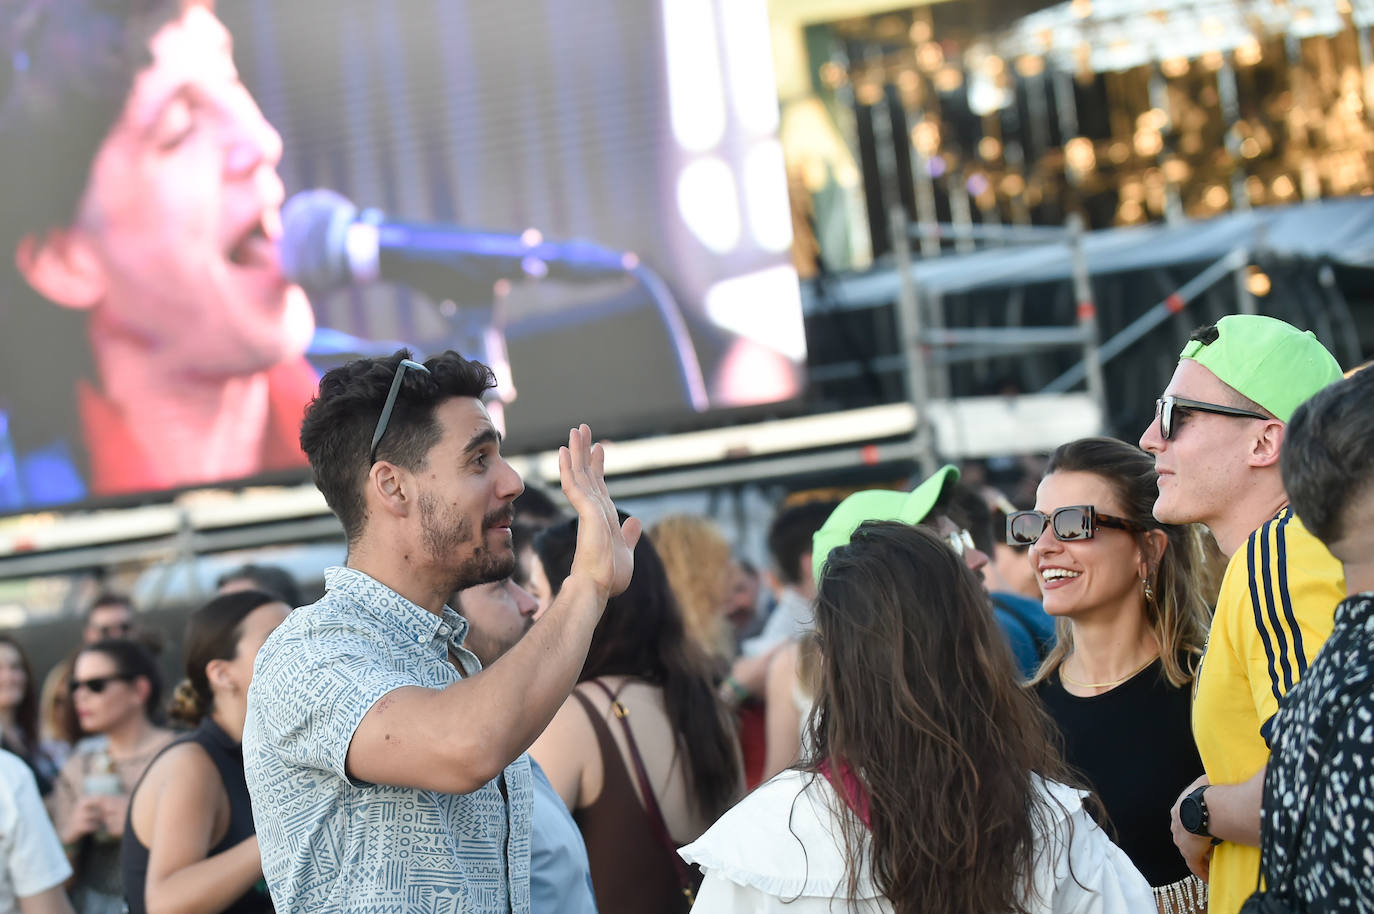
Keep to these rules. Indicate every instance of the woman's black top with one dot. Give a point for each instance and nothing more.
(227, 757)
(1134, 744)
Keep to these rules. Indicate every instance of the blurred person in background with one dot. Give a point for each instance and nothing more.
(111, 615)
(537, 508)
(140, 256)
(642, 752)
(931, 784)
(1217, 438)
(271, 579)
(19, 731)
(190, 844)
(116, 692)
(697, 559)
(1029, 630)
(1009, 571)
(498, 614)
(32, 865)
(1128, 594)
(742, 599)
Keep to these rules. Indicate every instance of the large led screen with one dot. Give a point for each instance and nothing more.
(609, 168)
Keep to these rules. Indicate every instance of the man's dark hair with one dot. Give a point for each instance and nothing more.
(337, 432)
(789, 536)
(521, 538)
(66, 69)
(272, 579)
(536, 507)
(109, 598)
(1327, 459)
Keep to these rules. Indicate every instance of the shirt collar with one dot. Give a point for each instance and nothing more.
(413, 622)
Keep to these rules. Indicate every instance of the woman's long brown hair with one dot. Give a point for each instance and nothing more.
(919, 698)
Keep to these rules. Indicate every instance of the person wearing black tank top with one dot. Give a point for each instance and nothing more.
(642, 752)
(189, 844)
(1128, 596)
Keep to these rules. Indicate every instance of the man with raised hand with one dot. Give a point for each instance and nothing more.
(1216, 439)
(387, 769)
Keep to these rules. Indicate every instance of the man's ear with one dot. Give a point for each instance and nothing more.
(62, 267)
(1265, 450)
(388, 488)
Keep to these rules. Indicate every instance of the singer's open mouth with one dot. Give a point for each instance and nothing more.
(254, 249)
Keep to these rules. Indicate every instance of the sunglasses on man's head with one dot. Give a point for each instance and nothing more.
(1075, 522)
(1169, 408)
(385, 418)
(97, 684)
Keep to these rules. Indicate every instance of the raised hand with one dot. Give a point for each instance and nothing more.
(605, 547)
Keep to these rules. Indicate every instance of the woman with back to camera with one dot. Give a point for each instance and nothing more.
(116, 690)
(19, 732)
(644, 710)
(190, 844)
(931, 783)
(1128, 594)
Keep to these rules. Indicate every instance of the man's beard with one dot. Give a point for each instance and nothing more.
(446, 540)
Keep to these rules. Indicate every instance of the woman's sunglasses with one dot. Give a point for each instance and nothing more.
(97, 684)
(1075, 522)
(1170, 407)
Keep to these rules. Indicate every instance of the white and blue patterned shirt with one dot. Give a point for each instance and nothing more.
(332, 844)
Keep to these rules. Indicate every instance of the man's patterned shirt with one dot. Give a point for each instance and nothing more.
(332, 844)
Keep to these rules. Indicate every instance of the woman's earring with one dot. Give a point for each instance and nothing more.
(1149, 591)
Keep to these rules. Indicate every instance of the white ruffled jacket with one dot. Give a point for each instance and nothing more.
(780, 851)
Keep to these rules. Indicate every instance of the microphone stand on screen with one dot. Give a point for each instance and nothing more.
(328, 244)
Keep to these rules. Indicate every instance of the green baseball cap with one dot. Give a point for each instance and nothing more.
(1266, 359)
(877, 504)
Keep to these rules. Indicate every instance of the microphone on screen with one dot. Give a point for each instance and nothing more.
(328, 244)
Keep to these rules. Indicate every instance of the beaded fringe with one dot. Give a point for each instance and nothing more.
(1187, 896)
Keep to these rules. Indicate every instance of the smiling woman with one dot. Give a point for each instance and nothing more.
(1129, 597)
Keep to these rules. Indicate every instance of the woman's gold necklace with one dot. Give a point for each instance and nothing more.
(1102, 685)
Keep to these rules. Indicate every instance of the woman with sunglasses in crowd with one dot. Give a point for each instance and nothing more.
(190, 845)
(19, 732)
(116, 690)
(930, 782)
(1129, 598)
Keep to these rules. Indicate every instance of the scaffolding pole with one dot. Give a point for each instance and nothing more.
(913, 346)
(1087, 318)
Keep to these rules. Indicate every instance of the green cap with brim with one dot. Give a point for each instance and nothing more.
(877, 504)
(1266, 359)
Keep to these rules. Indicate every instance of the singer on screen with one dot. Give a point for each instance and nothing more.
(151, 339)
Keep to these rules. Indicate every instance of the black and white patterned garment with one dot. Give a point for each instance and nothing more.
(1322, 771)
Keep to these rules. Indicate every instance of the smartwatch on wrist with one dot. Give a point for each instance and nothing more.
(1192, 812)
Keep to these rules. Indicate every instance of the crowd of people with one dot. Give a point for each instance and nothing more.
(1146, 691)
(501, 704)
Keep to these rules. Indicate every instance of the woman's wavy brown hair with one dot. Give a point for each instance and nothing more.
(919, 698)
(1180, 613)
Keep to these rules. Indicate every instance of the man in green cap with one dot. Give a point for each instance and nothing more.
(1216, 438)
